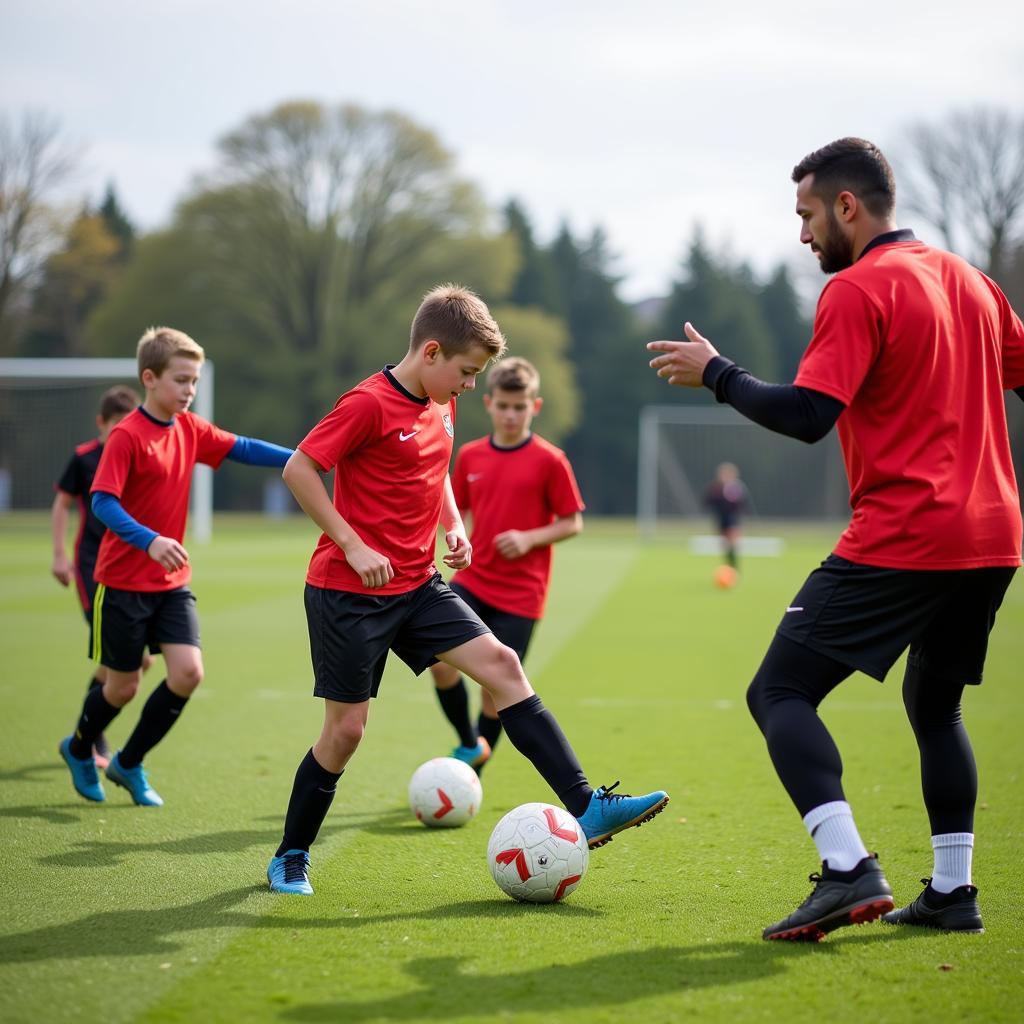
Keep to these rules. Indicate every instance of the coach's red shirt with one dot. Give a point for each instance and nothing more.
(518, 488)
(920, 346)
(148, 464)
(390, 451)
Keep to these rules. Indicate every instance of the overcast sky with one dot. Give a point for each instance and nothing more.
(644, 117)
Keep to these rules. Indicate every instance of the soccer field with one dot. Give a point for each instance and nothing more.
(115, 913)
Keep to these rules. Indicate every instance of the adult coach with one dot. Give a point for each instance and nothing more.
(911, 352)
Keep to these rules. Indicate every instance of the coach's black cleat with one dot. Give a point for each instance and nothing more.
(955, 911)
(839, 898)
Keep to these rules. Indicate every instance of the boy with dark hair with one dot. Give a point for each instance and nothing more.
(523, 497)
(911, 352)
(372, 585)
(73, 489)
(140, 493)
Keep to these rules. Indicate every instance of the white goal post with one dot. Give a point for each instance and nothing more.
(680, 447)
(50, 375)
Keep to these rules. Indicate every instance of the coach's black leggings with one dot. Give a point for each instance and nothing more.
(784, 696)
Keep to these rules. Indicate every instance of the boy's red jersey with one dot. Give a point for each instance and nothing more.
(390, 452)
(147, 465)
(518, 488)
(920, 346)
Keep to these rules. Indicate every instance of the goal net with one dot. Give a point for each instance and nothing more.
(680, 448)
(49, 406)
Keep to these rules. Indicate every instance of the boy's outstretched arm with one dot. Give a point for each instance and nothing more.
(460, 551)
(253, 452)
(302, 475)
(516, 543)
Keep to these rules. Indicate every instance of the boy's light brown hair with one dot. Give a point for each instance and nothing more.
(118, 401)
(514, 374)
(457, 319)
(159, 345)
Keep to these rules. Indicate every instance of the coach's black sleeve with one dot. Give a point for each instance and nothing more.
(803, 413)
(1020, 392)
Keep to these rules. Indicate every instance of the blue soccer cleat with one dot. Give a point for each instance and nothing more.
(610, 812)
(84, 776)
(474, 756)
(289, 873)
(135, 781)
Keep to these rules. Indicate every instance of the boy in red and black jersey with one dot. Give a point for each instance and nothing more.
(523, 497)
(140, 493)
(911, 354)
(73, 491)
(372, 586)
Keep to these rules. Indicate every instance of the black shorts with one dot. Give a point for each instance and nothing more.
(866, 617)
(513, 631)
(350, 635)
(125, 621)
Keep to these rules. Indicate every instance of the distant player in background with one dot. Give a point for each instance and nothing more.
(73, 490)
(911, 352)
(140, 493)
(522, 496)
(372, 586)
(727, 498)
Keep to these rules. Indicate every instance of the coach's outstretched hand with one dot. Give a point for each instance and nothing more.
(683, 362)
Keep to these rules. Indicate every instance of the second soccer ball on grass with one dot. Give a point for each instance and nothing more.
(444, 792)
(538, 853)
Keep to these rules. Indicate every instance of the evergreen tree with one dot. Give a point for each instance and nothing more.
(117, 221)
(535, 283)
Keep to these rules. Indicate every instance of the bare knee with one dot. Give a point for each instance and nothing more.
(185, 679)
(120, 687)
(344, 735)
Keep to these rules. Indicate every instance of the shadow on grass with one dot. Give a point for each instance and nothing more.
(32, 772)
(448, 990)
(120, 933)
(103, 853)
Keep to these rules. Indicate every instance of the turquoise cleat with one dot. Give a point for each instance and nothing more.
(135, 781)
(84, 776)
(474, 756)
(289, 873)
(610, 812)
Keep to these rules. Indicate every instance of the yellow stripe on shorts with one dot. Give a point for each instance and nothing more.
(97, 623)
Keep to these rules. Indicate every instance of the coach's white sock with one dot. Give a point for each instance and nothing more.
(953, 854)
(835, 835)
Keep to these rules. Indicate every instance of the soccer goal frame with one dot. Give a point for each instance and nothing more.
(70, 370)
(787, 479)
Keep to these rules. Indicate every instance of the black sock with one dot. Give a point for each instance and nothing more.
(730, 555)
(535, 733)
(311, 799)
(489, 728)
(100, 743)
(97, 714)
(160, 713)
(455, 705)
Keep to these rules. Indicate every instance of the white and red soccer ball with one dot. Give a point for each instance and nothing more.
(538, 853)
(444, 793)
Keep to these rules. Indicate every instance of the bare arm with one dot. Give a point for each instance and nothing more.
(516, 543)
(302, 475)
(62, 567)
(460, 550)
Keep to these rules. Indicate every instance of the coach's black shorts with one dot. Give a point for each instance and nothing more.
(866, 617)
(513, 631)
(350, 635)
(125, 621)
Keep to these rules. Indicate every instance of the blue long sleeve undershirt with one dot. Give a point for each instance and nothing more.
(109, 510)
(254, 452)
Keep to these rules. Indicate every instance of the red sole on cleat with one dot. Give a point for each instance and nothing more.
(870, 911)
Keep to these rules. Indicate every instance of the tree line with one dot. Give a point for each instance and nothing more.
(299, 261)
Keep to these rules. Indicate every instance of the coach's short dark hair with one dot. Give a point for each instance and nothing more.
(851, 165)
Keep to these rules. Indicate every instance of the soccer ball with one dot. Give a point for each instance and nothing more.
(726, 577)
(444, 792)
(538, 853)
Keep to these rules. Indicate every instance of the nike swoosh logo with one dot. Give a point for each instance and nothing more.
(403, 436)
(473, 476)
(795, 608)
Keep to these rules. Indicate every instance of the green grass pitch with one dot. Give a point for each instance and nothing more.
(113, 913)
